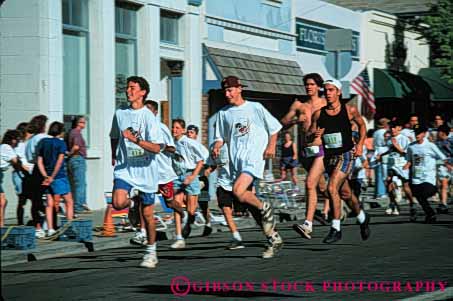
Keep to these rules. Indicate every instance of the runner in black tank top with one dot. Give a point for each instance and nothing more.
(334, 132)
(337, 137)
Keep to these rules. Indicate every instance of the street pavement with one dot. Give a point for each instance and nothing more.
(400, 260)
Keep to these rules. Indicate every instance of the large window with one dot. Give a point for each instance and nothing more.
(125, 48)
(75, 58)
(169, 27)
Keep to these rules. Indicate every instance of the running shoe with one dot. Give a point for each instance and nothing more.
(303, 230)
(207, 231)
(364, 228)
(178, 244)
(274, 246)
(40, 233)
(321, 217)
(51, 232)
(186, 230)
(430, 219)
(268, 219)
(149, 261)
(139, 239)
(333, 236)
(235, 244)
(413, 214)
(442, 209)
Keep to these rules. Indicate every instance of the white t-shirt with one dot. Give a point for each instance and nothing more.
(223, 169)
(192, 152)
(6, 155)
(166, 172)
(409, 133)
(395, 158)
(30, 148)
(423, 161)
(20, 151)
(135, 165)
(379, 142)
(246, 130)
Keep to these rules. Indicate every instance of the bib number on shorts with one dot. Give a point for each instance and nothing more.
(333, 140)
(311, 151)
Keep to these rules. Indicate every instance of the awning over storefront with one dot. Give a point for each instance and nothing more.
(259, 73)
(441, 90)
(393, 84)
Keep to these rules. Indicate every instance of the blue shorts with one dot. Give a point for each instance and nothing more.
(192, 189)
(146, 198)
(288, 163)
(342, 162)
(59, 186)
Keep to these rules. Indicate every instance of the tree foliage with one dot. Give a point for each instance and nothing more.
(439, 34)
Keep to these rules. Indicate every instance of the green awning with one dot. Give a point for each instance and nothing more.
(389, 84)
(441, 90)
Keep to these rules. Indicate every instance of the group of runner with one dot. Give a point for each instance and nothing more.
(148, 160)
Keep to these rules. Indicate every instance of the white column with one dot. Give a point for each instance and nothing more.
(148, 48)
(51, 69)
(102, 98)
(192, 76)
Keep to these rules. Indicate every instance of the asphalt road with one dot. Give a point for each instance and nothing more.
(400, 260)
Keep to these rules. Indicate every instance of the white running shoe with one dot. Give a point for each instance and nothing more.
(40, 233)
(139, 239)
(268, 219)
(395, 211)
(275, 244)
(388, 211)
(51, 232)
(178, 244)
(149, 261)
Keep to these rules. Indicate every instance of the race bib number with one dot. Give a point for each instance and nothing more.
(418, 171)
(134, 151)
(333, 140)
(311, 151)
(398, 161)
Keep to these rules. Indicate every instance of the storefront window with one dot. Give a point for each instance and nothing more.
(125, 49)
(169, 27)
(75, 59)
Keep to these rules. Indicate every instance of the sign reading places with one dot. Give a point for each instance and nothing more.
(311, 37)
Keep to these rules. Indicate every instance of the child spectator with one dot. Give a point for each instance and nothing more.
(52, 167)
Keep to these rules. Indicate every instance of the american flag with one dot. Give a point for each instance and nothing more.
(361, 84)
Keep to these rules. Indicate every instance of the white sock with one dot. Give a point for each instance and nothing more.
(151, 249)
(143, 230)
(237, 236)
(361, 217)
(309, 224)
(336, 224)
(179, 237)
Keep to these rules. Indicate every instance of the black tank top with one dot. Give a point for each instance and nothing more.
(287, 151)
(337, 137)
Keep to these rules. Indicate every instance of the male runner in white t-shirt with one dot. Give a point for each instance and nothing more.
(135, 141)
(250, 133)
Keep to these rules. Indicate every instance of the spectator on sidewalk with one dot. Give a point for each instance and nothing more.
(22, 178)
(289, 158)
(380, 146)
(38, 123)
(53, 170)
(77, 165)
(7, 158)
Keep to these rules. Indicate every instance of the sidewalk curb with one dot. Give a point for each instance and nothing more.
(54, 249)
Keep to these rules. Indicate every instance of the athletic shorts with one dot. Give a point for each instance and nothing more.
(166, 190)
(147, 198)
(423, 190)
(1, 181)
(397, 173)
(444, 173)
(342, 162)
(192, 189)
(225, 198)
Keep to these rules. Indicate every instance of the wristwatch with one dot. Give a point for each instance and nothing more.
(138, 140)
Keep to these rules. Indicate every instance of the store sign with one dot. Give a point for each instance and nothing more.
(311, 37)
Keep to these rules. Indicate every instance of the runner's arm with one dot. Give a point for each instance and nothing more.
(357, 118)
(288, 120)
